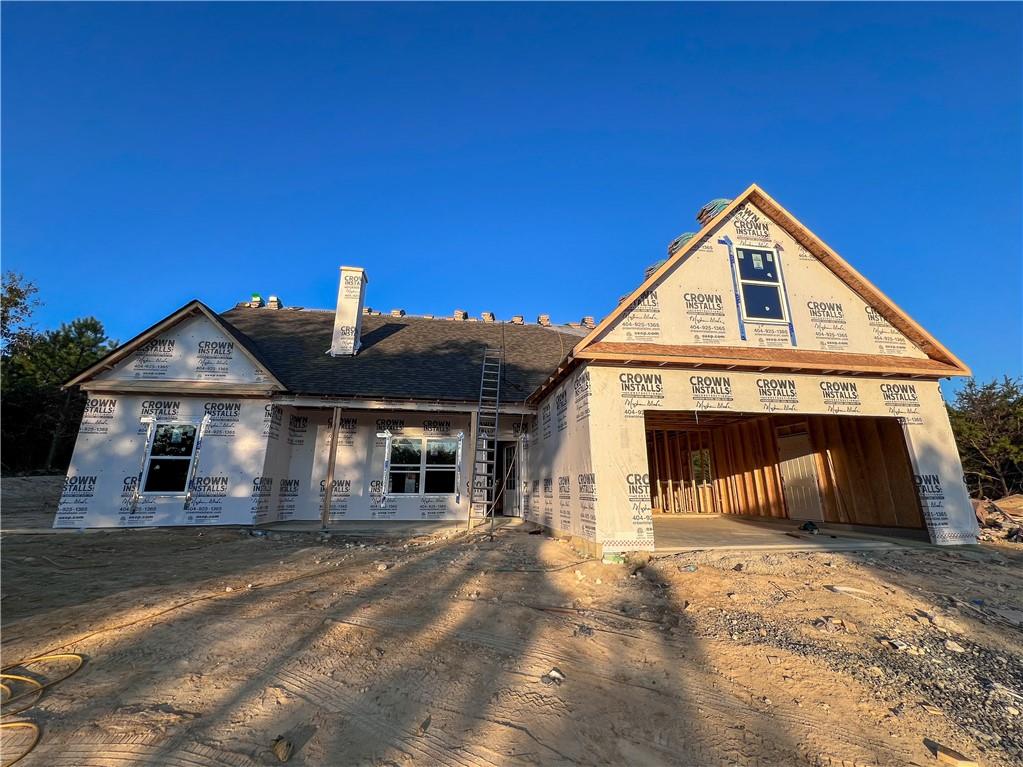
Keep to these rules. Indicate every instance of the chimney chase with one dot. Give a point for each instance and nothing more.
(351, 293)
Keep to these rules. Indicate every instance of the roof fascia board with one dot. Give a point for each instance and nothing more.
(570, 363)
(354, 403)
(180, 387)
(667, 266)
(866, 289)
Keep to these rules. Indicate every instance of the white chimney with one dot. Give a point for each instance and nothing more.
(348, 316)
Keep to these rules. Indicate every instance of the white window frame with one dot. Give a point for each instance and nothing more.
(193, 460)
(389, 440)
(780, 285)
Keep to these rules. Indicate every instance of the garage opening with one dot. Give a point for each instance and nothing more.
(852, 470)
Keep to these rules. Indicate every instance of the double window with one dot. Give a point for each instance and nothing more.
(170, 457)
(423, 466)
(761, 285)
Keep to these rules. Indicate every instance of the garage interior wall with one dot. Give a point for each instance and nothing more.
(730, 465)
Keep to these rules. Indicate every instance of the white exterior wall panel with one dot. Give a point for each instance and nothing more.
(258, 462)
(108, 460)
(559, 488)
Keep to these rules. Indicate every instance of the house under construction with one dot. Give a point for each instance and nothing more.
(753, 372)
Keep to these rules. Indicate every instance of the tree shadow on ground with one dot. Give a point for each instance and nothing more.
(441, 659)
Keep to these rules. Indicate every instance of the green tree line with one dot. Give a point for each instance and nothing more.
(987, 419)
(39, 419)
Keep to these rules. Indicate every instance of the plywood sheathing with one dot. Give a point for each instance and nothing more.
(864, 471)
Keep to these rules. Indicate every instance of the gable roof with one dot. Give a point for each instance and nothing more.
(191, 309)
(839, 267)
(401, 357)
(592, 347)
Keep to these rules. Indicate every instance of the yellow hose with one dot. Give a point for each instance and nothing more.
(26, 726)
(35, 689)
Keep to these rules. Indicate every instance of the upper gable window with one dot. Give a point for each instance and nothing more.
(761, 285)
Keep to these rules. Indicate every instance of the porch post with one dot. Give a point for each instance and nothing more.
(328, 489)
(473, 431)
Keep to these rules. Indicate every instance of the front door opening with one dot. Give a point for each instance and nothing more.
(798, 474)
(506, 479)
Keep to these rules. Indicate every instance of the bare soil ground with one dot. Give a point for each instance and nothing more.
(203, 645)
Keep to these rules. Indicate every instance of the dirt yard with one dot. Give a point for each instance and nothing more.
(202, 646)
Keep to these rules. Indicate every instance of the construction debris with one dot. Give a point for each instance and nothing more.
(552, 677)
(1000, 520)
(828, 623)
(282, 748)
(946, 755)
(849, 591)
(425, 724)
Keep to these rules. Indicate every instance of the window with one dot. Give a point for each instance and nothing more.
(441, 456)
(701, 466)
(427, 466)
(170, 458)
(761, 285)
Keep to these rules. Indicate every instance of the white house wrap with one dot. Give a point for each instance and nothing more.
(754, 372)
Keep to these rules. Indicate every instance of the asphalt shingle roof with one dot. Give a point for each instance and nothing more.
(400, 357)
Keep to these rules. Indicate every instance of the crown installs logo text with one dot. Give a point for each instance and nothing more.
(711, 391)
(840, 396)
(749, 224)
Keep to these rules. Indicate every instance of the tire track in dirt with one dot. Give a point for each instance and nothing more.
(327, 694)
(112, 752)
(703, 697)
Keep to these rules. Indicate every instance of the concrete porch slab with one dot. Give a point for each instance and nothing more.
(676, 534)
(382, 528)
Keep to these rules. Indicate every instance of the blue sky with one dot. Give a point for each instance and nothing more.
(513, 158)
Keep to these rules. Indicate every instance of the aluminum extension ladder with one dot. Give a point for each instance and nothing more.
(482, 494)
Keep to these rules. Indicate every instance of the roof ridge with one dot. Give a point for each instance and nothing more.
(571, 328)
